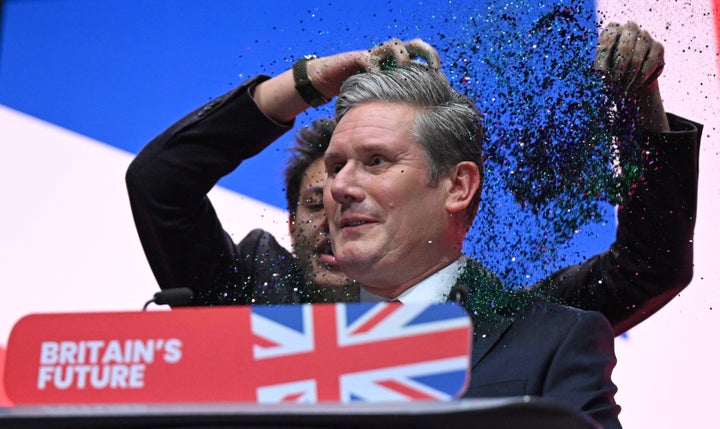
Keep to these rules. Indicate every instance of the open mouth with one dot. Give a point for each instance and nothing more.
(325, 248)
(325, 254)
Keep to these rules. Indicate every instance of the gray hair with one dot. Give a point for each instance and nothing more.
(447, 124)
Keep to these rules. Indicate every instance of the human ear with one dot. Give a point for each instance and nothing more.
(464, 183)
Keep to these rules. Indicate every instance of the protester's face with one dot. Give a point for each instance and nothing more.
(387, 222)
(309, 231)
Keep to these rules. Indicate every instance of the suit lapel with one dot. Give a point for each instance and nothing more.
(488, 303)
(485, 335)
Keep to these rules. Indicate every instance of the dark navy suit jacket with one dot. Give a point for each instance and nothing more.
(525, 345)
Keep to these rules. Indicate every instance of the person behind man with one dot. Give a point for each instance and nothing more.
(404, 169)
(169, 179)
(650, 261)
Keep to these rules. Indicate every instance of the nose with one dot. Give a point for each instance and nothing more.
(345, 185)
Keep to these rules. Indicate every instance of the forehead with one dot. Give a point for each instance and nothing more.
(370, 124)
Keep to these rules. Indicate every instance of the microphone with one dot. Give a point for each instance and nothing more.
(458, 294)
(174, 297)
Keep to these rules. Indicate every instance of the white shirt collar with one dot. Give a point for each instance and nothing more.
(433, 289)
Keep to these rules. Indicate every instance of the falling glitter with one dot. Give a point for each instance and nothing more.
(552, 132)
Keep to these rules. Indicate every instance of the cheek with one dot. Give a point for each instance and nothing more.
(307, 228)
(298, 237)
(302, 223)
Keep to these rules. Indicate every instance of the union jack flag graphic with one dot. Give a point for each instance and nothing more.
(360, 352)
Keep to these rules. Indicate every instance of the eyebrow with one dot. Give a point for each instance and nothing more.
(311, 191)
(365, 147)
(330, 156)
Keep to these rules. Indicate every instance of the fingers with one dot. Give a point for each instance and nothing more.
(628, 56)
(388, 55)
(654, 64)
(396, 53)
(328, 73)
(606, 47)
(417, 48)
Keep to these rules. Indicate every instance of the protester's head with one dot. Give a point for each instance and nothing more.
(310, 145)
(405, 174)
(304, 179)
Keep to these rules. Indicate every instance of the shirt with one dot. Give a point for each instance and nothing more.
(433, 289)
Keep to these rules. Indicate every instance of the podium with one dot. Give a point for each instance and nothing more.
(261, 354)
(304, 366)
(504, 413)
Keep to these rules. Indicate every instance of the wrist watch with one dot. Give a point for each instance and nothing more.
(303, 85)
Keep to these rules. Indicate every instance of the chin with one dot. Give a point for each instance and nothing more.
(332, 281)
(356, 268)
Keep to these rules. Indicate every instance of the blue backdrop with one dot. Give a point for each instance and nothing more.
(122, 71)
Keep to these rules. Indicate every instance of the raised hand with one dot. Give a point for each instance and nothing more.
(631, 60)
(328, 73)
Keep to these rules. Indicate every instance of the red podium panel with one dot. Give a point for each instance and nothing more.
(4, 400)
(303, 353)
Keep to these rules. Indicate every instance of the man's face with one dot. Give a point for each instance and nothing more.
(309, 231)
(387, 222)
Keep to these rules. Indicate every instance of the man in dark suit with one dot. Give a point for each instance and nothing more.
(404, 170)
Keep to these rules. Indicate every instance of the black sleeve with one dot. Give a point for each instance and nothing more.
(169, 179)
(651, 259)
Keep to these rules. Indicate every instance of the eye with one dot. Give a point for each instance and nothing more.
(377, 160)
(334, 169)
(314, 205)
(311, 201)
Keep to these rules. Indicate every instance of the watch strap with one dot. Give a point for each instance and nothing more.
(303, 85)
